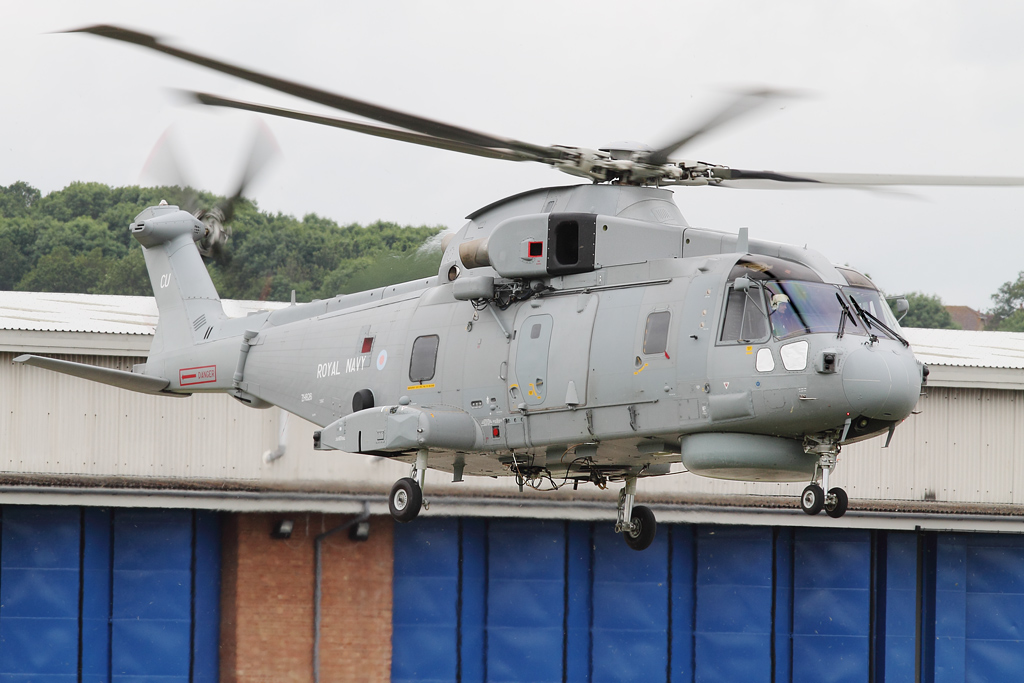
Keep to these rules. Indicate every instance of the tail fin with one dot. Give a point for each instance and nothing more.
(185, 296)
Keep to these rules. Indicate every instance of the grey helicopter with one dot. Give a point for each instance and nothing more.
(572, 334)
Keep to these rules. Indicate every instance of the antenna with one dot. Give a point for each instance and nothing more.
(743, 243)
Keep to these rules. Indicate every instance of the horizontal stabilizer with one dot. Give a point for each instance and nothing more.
(116, 378)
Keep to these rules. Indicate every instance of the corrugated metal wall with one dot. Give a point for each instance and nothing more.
(519, 600)
(966, 445)
(98, 595)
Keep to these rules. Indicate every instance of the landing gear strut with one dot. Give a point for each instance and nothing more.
(406, 497)
(640, 529)
(814, 499)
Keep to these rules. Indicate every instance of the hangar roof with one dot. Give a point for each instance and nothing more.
(969, 358)
(94, 313)
(968, 348)
(89, 324)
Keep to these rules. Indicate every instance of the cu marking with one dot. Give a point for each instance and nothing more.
(165, 280)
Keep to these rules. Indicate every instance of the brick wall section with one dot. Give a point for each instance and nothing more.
(267, 601)
(355, 641)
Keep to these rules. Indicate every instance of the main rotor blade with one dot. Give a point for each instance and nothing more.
(739, 178)
(367, 128)
(743, 103)
(353, 106)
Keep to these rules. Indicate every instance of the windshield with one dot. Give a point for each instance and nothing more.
(803, 308)
(871, 301)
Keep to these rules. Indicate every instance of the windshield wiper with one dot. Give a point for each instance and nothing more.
(843, 316)
(869, 318)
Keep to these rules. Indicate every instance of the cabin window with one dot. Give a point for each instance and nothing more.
(656, 332)
(745, 319)
(424, 358)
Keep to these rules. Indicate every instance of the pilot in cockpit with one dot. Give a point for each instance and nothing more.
(785, 321)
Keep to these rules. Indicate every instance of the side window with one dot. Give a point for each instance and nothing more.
(746, 318)
(424, 358)
(656, 332)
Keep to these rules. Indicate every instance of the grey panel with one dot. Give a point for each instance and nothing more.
(534, 337)
(730, 406)
(612, 349)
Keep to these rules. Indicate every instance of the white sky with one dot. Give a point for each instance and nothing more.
(897, 87)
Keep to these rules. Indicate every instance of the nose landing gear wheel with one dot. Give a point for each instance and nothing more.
(644, 527)
(813, 499)
(837, 502)
(405, 500)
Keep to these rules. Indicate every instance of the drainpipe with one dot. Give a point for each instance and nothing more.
(317, 593)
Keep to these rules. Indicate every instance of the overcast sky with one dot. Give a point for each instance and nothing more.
(894, 87)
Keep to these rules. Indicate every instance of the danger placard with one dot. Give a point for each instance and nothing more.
(203, 375)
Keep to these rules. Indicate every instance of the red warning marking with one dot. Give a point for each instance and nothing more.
(201, 375)
(666, 355)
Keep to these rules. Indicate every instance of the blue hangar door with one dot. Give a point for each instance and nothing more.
(101, 595)
(530, 600)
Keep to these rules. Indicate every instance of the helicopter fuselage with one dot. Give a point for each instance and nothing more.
(737, 359)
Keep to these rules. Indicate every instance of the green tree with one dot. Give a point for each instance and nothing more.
(17, 250)
(1008, 300)
(75, 200)
(13, 265)
(81, 234)
(1011, 323)
(62, 271)
(926, 310)
(17, 199)
(77, 240)
(127, 275)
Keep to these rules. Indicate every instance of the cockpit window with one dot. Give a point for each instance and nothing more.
(871, 302)
(803, 308)
(797, 302)
(746, 318)
(759, 267)
(855, 279)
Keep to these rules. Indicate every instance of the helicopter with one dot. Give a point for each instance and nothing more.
(572, 334)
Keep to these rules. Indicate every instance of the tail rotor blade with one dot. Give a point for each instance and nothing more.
(164, 168)
(261, 152)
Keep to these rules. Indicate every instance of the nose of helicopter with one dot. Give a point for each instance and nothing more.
(882, 383)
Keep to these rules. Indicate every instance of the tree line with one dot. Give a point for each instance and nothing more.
(77, 240)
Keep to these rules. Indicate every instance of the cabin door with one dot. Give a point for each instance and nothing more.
(549, 358)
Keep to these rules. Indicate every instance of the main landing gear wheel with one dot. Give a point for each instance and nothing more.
(812, 500)
(836, 502)
(405, 500)
(644, 527)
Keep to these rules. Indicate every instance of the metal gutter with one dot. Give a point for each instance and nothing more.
(453, 506)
